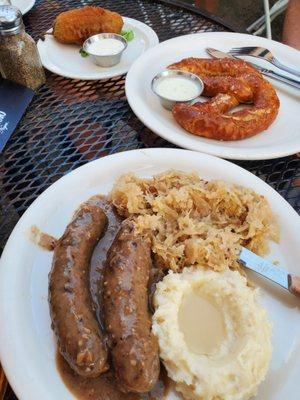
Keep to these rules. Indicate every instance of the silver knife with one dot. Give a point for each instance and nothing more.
(268, 72)
(270, 271)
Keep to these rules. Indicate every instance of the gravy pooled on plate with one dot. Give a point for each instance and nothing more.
(104, 387)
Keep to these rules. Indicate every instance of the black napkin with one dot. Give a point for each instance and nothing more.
(14, 99)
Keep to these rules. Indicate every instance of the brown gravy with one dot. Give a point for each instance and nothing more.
(104, 387)
(43, 240)
(99, 255)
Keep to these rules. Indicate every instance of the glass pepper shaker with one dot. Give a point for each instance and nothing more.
(19, 57)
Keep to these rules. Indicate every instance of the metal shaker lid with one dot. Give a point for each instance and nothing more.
(10, 20)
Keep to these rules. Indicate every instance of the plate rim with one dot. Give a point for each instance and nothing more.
(30, 5)
(47, 63)
(9, 363)
(209, 148)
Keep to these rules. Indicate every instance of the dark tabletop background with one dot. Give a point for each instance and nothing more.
(71, 122)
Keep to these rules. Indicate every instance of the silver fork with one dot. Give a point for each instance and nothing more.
(265, 54)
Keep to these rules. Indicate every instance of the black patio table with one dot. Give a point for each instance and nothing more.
(71, 122)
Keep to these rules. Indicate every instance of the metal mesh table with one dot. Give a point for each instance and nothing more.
(71, 122)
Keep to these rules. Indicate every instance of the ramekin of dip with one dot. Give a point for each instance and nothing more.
(172, 86)
(105, 48)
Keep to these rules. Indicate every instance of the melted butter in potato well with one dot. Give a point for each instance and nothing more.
(202, 324)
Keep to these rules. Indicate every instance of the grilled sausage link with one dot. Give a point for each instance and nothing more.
(79, 336)
(126, 314)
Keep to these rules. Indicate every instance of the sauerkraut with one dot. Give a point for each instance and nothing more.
(193, 221)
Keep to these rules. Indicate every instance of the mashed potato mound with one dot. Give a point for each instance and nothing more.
(240, 362)
(194, 221)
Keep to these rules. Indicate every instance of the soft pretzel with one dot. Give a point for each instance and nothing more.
(229, 83)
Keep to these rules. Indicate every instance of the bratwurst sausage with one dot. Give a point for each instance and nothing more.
(74, 322)
(127, 318)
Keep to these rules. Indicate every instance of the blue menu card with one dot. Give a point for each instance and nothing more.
(14, 100)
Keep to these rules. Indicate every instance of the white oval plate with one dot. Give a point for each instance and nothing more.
(65, 59)
(23, 5)
(27, 344)
(280, 139)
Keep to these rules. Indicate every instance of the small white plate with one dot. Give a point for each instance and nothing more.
(282, 138)
(65, 60)
(27, 343)
(23, 5)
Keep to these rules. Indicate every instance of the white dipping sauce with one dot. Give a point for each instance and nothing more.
(177, 88)
(105, 47)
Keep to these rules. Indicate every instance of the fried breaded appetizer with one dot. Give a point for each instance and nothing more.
(75, 26)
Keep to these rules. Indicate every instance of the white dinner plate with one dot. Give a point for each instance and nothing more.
(27, 343)
(23, 5)
(65, 59)
(280, 139)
